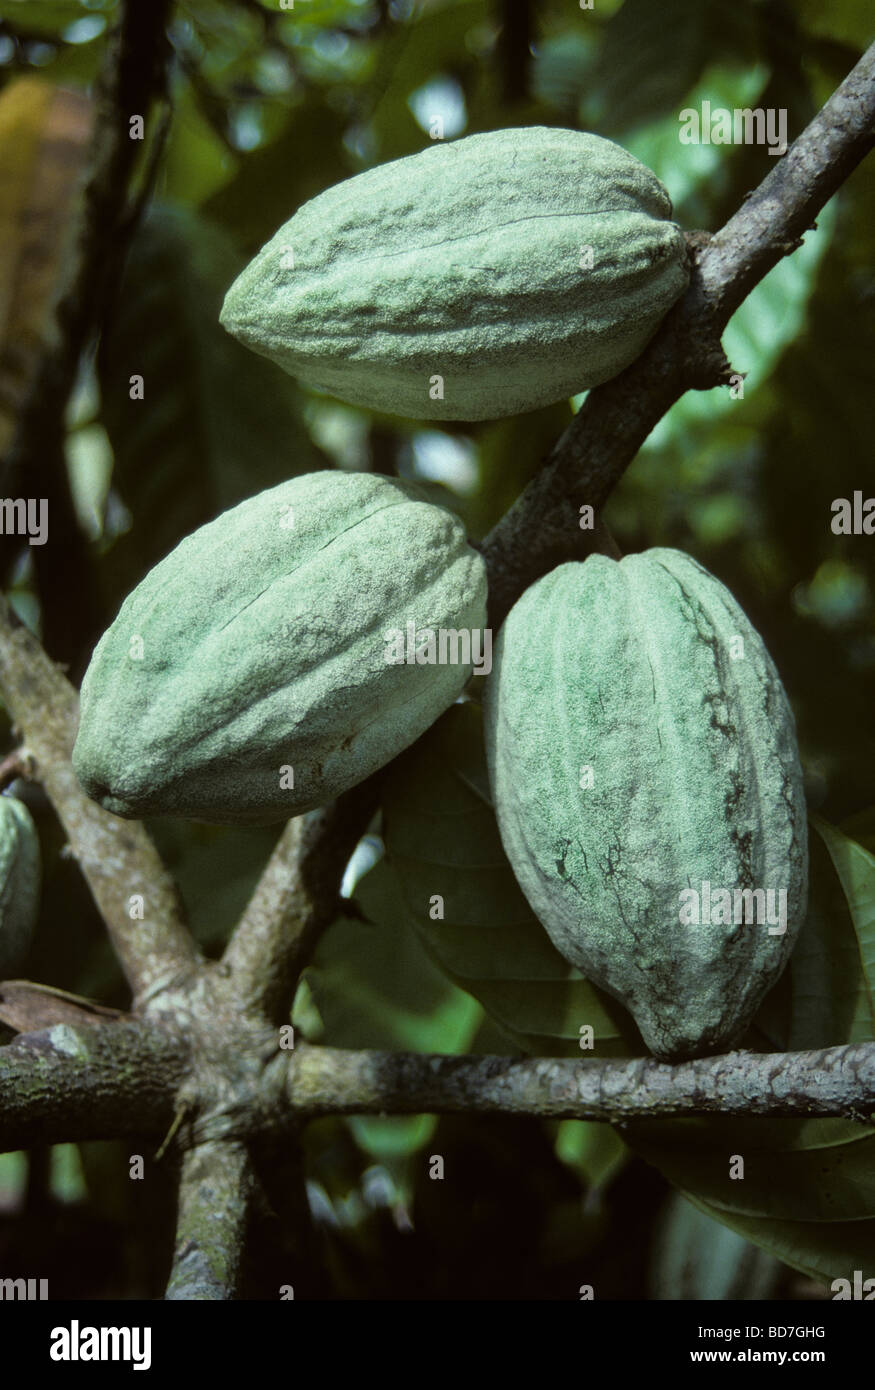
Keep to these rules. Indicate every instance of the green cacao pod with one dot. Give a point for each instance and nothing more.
(248, 677)
(476, 279)
(19, 882)
(646, 778)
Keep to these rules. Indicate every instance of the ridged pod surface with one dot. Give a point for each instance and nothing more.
(635, 670)
(519, 266)
(19, 882)
(259, 646)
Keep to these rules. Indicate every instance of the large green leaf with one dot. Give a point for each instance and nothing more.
(216, 423)
(823, 1250)
(442, 840)
(652, 55)
(855, 867)
(372, 985)
(699, 1258)
(832, 969)
(826, 1167)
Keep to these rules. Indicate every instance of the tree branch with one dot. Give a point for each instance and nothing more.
(216, 1190)
(132, 74)
(771, 222)
(542, 528)
(296, 898)
(117, 857)
(69, 1083)
(837, 1081)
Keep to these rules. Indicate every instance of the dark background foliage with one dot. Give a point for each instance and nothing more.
(267, 110)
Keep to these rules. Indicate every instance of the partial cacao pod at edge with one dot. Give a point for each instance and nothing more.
(643, 763)
(247, 678)
(19, 882)
(479, 278)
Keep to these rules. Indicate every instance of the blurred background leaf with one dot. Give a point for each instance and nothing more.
(216, 423)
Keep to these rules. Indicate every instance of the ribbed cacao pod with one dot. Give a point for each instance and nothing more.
(640, 747)
(19, 882)
(247, 679)
(476, 279)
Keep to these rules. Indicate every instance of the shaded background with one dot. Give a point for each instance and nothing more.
(267, 109)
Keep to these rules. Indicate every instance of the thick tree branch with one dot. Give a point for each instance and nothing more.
(838, 1081)
(69, 1083)
(295, 900)
(100, 1081)
(117, 857)
(542, 529)
(216, 1190)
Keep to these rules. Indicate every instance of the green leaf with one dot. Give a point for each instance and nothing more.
(373, 985)
(216, 869)
(652, 55)
(826, 1167)
(855, 867)
(216, 423)
(822, 1250)
(831, 985)
(594, 1151)
(699, 1258)
(442, 839)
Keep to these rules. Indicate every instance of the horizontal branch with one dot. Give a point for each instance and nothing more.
(117, 857)
(88, 1082)
(837, 1081)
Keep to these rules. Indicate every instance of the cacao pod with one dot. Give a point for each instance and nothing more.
(19, 882)
(247, 678)
(518, 267)
(620, 678)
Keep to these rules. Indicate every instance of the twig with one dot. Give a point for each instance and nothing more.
(541, 529)
(117, 857)
(296, 898)
(772, 221)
